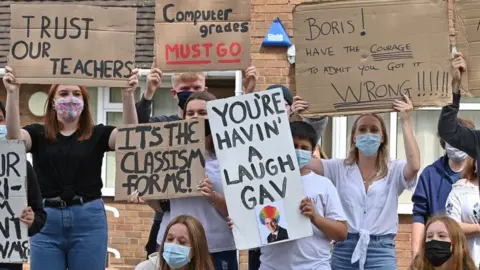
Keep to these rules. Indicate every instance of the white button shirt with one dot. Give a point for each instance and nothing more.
(372, 212)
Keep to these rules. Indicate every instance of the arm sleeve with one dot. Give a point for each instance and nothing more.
(420, 203)
(331, 169)
(453, 206)
(35, 131)
(319, 124)
(396, 169)
(455, 134)
(144, 110)
(105, 132)
(34, 198)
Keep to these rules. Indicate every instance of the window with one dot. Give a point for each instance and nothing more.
(424, 123)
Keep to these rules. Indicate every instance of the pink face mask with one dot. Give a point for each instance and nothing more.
(69, 108)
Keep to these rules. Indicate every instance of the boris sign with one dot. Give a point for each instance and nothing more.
(258, 176)
(160, 160)
(72, 44)
(14, 246)
(202, 35)
(356, 57)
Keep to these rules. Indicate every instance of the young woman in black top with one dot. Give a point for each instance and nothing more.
(67, 156)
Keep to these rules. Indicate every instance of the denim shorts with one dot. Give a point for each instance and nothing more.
(74, 237)
(380, 253)
(225, 260)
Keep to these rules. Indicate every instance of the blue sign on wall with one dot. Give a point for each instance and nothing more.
(277, 36)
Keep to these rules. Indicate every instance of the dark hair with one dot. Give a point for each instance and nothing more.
(304, 130)
(463, 122)
(204, 95)
(2, 108)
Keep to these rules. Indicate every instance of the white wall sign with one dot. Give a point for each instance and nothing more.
(260, 173)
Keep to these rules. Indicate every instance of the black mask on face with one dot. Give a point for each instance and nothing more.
(438, 252)
(182, 98)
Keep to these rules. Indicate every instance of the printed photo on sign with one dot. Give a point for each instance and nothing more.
(72, 44)
(160, 160)
(272, 223)
(247, 131)
(14, 246)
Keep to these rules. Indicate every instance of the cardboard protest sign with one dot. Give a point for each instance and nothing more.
(72, 44)
(356, 57)
(14, 246)
(259, 167)
(202, 35)
(160, 160)
(468, 41)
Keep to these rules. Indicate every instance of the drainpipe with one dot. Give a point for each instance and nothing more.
(238, 83)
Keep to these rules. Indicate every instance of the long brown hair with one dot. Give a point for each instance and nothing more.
(53, 126)
(206, 96)
(200, 254)
(382, 157)
(461, 259)
(470, 171)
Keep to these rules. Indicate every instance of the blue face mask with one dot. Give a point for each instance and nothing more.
(3, 132)
(175, 255)
(368, 143)
(303, 157)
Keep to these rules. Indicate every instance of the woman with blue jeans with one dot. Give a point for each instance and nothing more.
(369, 184)
(67, 156)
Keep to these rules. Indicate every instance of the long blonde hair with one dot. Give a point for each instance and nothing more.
(383, 156)
(461, 259)
(200, 255)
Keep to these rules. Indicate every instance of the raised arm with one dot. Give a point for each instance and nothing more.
(405, 108)
(129, 112)
(15, 132)
(144, 106)
(249, 82)
(449, 129)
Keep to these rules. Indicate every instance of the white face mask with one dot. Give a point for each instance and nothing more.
(454, 154)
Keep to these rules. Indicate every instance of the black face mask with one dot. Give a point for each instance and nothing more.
(438, 252)
(182, 98)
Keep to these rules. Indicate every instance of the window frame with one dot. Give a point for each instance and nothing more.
(340, 144)
(104, 106)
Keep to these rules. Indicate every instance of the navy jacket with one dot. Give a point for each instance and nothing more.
(431, 193)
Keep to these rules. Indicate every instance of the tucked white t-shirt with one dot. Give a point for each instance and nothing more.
(463, 205)
(312, 253)
(368, 213)
(219, 236)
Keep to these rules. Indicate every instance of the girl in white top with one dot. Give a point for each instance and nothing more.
(463, 205)
(211, 209)
(369, 185)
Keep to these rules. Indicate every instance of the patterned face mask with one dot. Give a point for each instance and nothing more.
(69, 108)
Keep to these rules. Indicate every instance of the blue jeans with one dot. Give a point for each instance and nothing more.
(225, 260)
(380, 253)
(74, 237)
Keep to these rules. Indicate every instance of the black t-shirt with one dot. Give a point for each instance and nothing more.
(67, 167)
